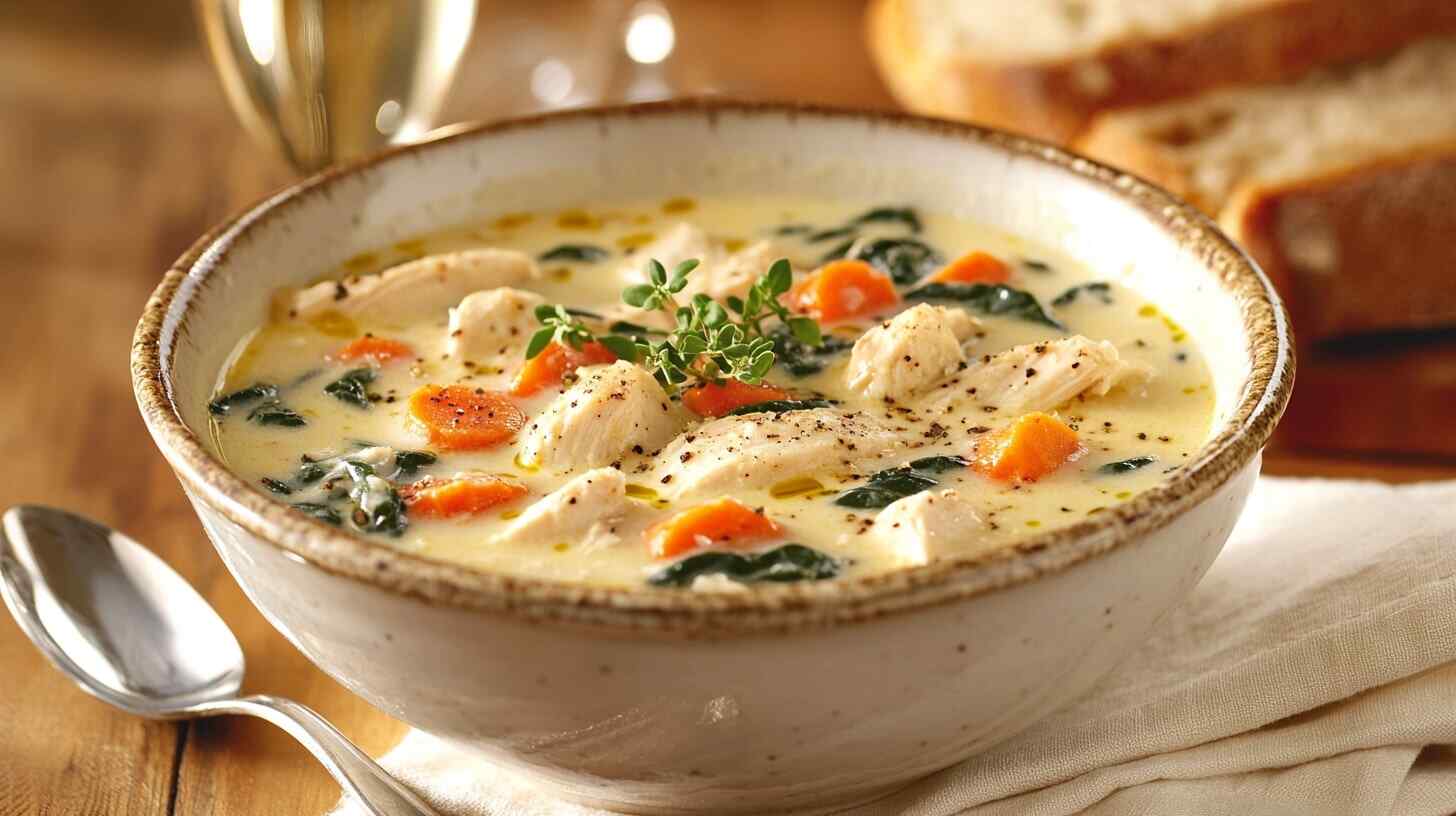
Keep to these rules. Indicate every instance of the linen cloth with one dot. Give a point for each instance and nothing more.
(1313, 671)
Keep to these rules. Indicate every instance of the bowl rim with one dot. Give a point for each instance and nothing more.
(779, 608)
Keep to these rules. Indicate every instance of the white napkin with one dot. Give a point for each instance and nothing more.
(1312, 671)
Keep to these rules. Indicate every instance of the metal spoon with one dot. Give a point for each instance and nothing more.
(130, 631)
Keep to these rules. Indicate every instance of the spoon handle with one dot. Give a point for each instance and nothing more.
(356, 773)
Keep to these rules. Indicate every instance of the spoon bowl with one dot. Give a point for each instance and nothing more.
(131, 632)
(114, 617)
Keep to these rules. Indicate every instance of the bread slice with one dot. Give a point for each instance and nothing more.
(1046, 67)
(1341, 185)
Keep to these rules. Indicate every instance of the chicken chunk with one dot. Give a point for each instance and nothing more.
(611, 410)
(410, 290)
(1042, 376)
(760, 449)
(921, 527)
(719, 274)
(583, 512)
(910, 353)
(492, 324)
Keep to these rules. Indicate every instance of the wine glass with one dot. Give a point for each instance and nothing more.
(326, 80)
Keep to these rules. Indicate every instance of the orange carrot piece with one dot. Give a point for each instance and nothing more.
(380, 350)
(973, 267)
(461, 496)
(1026, 450)
(841, 290)
(724, 522)
(554, 362)
(458, 417)
(717, 399)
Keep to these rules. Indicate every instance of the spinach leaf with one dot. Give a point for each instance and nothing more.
(378, 507)
(575, 312)
(259, 391)
(273, 412)
(988, 298)
(409, 462)
(896, 483)
(801, 359)
(1098, 289)
(904, 215)
(581, 253)
(830, 234)
(281, 488)
(1039, 267)
(905, 260)
(793, 229)
(633, 330)
(838, 252)
(309, 472)
(322, 512)
(350, 387)
(1126, 465)
(780, 406)
(791, 562)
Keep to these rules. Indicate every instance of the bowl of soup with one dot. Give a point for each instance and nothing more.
(714, 457)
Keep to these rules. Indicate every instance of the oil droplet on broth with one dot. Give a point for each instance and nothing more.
(797, 486)
(334, 324)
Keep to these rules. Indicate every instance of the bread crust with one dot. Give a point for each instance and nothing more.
(1056, 99)
(1357, 249)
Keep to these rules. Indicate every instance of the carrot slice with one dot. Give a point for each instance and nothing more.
(1026, 450)
(717, 399)
(458, 417)
(554, 362)
(840, 290)
(379, 349)
(717, 523)
(974, 267)
(460, 496)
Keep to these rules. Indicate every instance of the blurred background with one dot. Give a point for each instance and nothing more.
(122, 141)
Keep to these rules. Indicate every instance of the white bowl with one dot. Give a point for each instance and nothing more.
(788, 697)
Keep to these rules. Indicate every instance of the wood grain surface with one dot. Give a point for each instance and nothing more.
(116, 151)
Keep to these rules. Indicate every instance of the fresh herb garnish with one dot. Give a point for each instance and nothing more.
(710, 341)
(582, 253)
(1098, 289)
(802, 359)
(350, 387)
(1126, 465)
(273, 412)
(322, 512)
(790, 562)
(893, 484)
(409, 462)
(780, 406)
(988, 298)
(905, 260)
(259, 391)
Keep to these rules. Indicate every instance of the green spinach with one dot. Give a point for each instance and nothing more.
(274, 412)
(801, 359)
(1126, 465)
(409, 462)
(780, 406)
(790, 562)
(1097, 289)
(580, 253)
(896, 483)
(258, 391)
(351, 387)
(990, 299)
(905, 260)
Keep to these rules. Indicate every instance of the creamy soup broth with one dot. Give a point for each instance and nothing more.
(1153, 422)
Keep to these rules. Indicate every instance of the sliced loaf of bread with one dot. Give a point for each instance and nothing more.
(1342, 185)
(1046, 67)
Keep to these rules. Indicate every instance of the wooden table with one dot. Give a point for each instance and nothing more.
(116, 151)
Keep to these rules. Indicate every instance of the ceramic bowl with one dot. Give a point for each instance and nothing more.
(788, 697)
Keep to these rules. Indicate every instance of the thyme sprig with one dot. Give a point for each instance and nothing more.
(709, 342)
